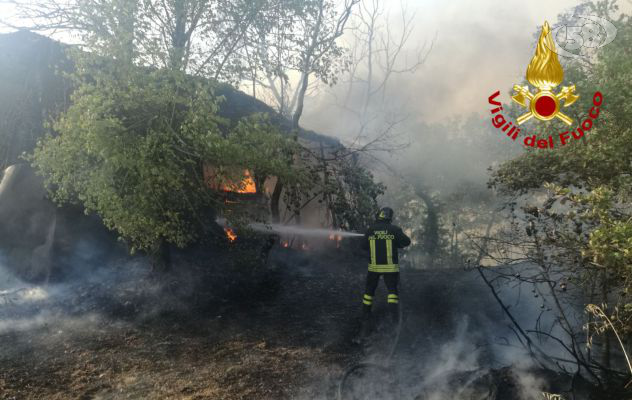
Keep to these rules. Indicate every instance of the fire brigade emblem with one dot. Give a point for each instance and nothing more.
(545, 73)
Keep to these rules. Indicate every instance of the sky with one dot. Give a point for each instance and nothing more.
(6, 10)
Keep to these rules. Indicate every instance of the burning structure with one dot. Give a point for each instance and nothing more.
(36, 91)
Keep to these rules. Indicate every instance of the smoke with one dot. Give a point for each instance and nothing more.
(458, 355)
(479, 47)
(456, 343)
(435, 118)
(7, 280)
(25, 305)
(441, 110)
(55, 324)
(453, 335)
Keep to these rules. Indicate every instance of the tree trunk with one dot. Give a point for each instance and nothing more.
(274, 201)
(307, 70)
(161, 257)
(178, 37)
(431, 233)
(605, 356)
(327, 195)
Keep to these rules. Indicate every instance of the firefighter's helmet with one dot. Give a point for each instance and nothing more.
(385, 214)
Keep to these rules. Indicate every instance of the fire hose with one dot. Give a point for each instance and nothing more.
(384, 367)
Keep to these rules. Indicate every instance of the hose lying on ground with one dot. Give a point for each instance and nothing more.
(385, 367)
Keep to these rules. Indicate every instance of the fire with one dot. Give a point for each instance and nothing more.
(544, 70)
(247, 185)
(230, 234)
(337, 238)
(219, 179)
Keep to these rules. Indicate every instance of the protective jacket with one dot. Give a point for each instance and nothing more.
(383, 239)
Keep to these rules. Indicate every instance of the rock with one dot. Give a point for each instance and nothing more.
(27, 220)
(40, 241)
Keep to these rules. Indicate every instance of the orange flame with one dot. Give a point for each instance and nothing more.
(337, 238)
(545, 71)
(247, 185)
(230, 234)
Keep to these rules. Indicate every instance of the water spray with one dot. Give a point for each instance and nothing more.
(385, 367)
(298, 230)
(294, 230)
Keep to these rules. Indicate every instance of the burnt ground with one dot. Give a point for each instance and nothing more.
(213, 330)
(274, 333)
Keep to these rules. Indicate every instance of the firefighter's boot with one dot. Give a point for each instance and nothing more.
(393, 308)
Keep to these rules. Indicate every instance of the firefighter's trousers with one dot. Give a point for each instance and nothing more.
(391, 279)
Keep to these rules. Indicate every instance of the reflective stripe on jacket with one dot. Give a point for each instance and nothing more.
(382, 240)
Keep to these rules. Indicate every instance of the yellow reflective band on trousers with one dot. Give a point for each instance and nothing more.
(382, 268)
(389, 251)
(367, 300)
(372, 245)
(393, 298)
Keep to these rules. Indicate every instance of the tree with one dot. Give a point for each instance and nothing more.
(352, 195)
(200, 37)
(580, 225)
(378, 53)
(131, 148)
(169, 41)
(133, 142)
(305, 43)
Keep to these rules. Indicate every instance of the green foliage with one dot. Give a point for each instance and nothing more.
(354, 194)
(411, 212)
(261, 148)
(143, 122)
(595, 175)
(132, 145)
(609, 247)
(606, 152)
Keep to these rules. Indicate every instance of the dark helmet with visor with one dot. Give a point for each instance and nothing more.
(385, 214)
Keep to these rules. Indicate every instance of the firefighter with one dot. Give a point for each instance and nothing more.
(382, 240)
